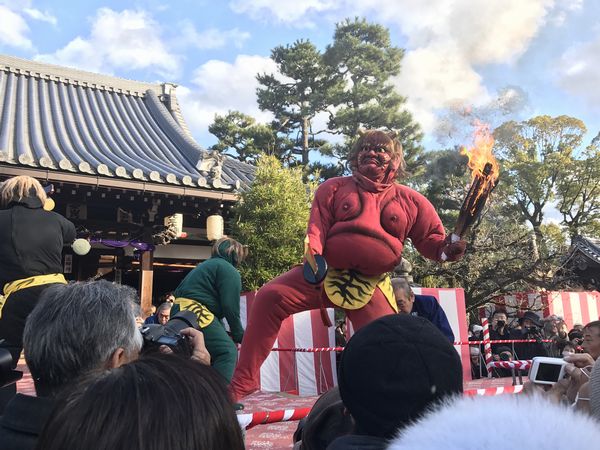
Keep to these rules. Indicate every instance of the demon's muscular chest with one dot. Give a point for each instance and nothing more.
(362, 230)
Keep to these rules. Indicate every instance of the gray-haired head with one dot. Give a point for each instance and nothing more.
(166, 306)
(76, 328)
(401, 285)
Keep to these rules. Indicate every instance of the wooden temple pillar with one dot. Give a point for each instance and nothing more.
(146, 279)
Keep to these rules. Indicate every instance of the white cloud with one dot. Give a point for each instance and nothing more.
(211, 38)
(79, 53)
(288, 12)
(127, 40)
(39, 15)
(218, 87)
(14, 30)
(435, 77)
(578, 72)
(447, 41)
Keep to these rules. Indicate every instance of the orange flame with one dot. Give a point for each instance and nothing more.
(481, 154)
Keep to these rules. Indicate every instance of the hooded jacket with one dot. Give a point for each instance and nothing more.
(471, 423)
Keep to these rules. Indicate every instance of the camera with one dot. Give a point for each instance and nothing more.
(500, 323)
(169, 334)
(8, 376)
(532, 332)
(505, 356)
(546, 370)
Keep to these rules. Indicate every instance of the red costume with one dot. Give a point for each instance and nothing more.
(358, 224)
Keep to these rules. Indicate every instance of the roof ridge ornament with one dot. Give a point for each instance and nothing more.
(210, 165)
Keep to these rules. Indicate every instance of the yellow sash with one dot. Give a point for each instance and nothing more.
(352, 290)
(36, 280)
(205, 317)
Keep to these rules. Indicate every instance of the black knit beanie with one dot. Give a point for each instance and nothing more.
(393, 369)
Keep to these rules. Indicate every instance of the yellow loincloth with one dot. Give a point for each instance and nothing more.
(352, 290)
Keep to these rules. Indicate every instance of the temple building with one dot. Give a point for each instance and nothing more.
(124, 169)
(583, 262)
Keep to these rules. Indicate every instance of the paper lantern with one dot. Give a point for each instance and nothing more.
(214, 227)
(81, 246)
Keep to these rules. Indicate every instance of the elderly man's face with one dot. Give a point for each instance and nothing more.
(404, 301)
(591, 341)
(163, 316)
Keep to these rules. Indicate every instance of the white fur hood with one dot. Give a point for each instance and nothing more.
(503, 421)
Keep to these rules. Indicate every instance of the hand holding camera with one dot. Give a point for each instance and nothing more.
(547, 371)
(561, 378)
(181, 334)
(196, 339)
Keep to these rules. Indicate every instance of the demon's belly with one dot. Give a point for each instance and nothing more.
(366, 254)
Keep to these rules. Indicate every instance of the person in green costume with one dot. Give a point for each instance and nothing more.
(212, 291)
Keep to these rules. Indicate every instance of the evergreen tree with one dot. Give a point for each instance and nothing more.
(242, 137)
(297, 94)
(271, 218)
(364, 58)
(346, 87)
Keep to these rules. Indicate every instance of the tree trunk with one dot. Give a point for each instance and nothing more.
(536, 238)
(305, 141)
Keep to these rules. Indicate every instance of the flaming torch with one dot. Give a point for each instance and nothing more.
(484, 177)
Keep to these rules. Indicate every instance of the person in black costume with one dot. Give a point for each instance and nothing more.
(31, 243)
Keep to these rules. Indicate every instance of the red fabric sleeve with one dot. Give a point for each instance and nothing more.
(321, 215)
(427, 234)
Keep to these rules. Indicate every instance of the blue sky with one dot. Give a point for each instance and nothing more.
(498, 59)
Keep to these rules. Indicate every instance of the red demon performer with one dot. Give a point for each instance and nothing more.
(358, 224)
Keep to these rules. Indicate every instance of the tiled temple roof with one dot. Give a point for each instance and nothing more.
(69, 120)
(589, 247)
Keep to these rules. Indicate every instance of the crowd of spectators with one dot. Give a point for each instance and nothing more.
(400, 384)
(551, 335)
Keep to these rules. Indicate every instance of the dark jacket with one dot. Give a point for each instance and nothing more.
(151, 320)
(532, 349)
(23, 421)
(326, 421)
(427, 306)
(496, 336)
(31, 241)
